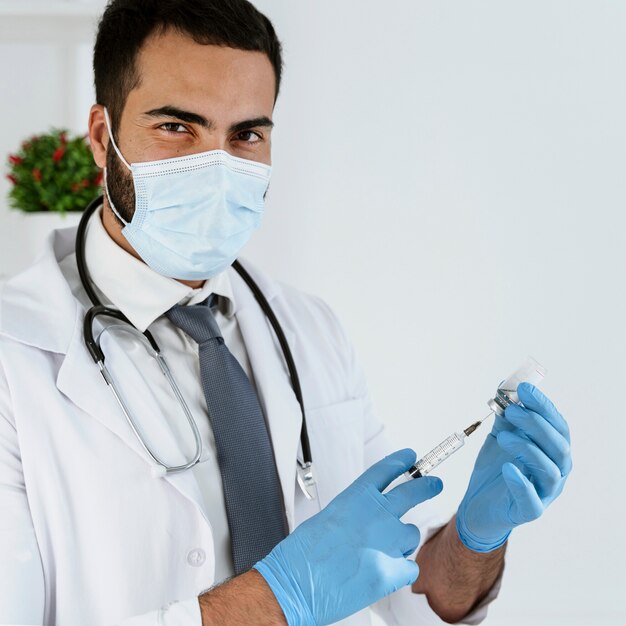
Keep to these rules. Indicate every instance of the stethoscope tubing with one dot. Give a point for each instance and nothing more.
(99, 309)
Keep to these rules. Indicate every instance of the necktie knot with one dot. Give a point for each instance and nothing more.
(196, 320)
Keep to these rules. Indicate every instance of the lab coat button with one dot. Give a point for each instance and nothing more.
(196, 557)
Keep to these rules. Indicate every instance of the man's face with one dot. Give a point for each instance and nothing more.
(191, 98)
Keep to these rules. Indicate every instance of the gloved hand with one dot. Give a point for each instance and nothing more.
(352, 553)
(521, 468)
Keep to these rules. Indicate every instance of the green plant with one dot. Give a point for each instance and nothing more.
(53, 172)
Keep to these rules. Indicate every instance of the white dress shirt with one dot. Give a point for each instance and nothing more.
(144, 296)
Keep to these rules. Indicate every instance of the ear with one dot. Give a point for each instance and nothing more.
(98, 134)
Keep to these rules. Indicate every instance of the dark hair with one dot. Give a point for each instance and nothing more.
(126, 24)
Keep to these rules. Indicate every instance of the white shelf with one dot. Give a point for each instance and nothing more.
(51, 8)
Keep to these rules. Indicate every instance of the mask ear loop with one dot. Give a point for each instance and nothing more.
(119, 154)
(106, 190)
(117, 150)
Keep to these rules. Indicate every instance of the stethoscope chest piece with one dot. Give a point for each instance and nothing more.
(306, 479)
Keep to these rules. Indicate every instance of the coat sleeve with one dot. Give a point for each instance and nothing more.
(184, 613)
(403, 608)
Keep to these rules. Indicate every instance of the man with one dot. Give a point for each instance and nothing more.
(186, 91)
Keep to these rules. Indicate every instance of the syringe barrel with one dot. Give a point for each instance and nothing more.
(436, 456)
(530, 371)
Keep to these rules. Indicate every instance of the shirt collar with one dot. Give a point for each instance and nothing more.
(139, 292)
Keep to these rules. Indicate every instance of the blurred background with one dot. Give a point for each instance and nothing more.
(449, 176)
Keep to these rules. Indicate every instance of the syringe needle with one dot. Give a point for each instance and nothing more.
(470, 429)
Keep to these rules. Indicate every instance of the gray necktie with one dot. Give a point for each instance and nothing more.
(254, 501)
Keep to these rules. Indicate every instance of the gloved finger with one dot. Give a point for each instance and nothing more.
(410, 539)
(388, 469)
(407, 495)
(543, 434)
(528, 505)
(543, 472)
(534, 399)
(500, 423)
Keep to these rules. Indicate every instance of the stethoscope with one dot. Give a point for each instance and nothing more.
(304, 468)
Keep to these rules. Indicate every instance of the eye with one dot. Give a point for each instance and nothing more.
(249, 136)
(174, 128)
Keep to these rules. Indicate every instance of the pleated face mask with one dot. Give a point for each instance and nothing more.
(193, 214)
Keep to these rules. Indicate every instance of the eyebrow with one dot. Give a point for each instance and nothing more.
(194, 118)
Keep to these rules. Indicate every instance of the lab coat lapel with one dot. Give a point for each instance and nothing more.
(80, 380)
(271, 377)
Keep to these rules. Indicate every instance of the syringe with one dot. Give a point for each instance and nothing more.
(441, 452)
(530, 371)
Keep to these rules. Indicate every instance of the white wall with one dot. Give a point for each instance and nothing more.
(45, 81)
(449, 176)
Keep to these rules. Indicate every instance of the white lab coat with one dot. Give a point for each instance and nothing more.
(87, 535)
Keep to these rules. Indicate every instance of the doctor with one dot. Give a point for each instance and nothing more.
(88, 535)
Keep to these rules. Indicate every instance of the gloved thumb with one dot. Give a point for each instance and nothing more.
(528, 503)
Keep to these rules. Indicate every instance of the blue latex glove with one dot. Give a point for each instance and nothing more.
(521, 468)
(353, 552)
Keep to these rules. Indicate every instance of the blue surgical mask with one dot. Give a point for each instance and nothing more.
(193, 214)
